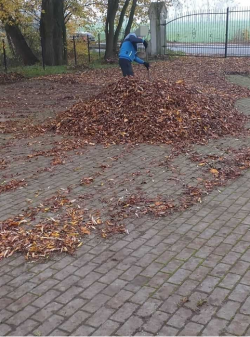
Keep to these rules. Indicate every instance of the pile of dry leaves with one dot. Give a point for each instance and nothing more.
(10, 78)
(136, 111)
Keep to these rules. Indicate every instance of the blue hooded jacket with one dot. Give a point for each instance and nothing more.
(128, 49)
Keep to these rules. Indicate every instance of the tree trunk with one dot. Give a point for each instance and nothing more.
(131, 18)
(119, 26)
(52, 31)
(11, 46)
(65, 45)
(58, 31)
(21, 47)
(109, 27)
(46, 32)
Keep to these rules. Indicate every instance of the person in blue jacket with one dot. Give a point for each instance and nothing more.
(128, 54)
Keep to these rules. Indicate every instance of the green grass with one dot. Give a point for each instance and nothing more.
(37, 70)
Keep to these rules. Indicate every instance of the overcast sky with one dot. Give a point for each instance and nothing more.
(244, 3)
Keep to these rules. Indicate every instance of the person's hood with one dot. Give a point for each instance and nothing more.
(133, 34)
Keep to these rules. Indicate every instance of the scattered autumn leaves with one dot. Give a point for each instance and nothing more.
(11, 185)
(10, 78)
(193, 105)
(62, 233)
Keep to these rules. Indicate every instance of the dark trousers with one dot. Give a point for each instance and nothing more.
(126, 67)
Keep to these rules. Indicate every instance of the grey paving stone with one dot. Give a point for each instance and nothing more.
(71, 307)
(200, 273)
(191, 329)
(220, 270)
(148, 307)
(152, 269)
(218, 296)
(172, 266)
(21, 302)
(179, 319)
(83, 330)
(187, 287)
(111, 276)
(240, 267)
(69, 294)
(44, 286)
(192, 263)
(74, 321)
(131, 273)
(4, 315)
(231, 258)
(212, 260)
(245, 309)
(179, 276)
(122, 314)
(246, 256)
(114, 287)
(128, 328)
(96, 303)
(165, 291)
(85, 282)
(214, 327)
(157, 280)
(168, 331)
(100, 317)
(51, 323)
(107, 329)
(22, 315)
(238, 325)
(118, 300)
(171, 304)
(93, 290)
(47, 311)
(4, 329)
(209, 284)
(230, 281)
(228, 310)
(25, 328)
(204, 315)
(142, 295)
(58, 332)
(240, 293)
(156, 322)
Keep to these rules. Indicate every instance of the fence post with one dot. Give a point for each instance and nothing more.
(43, 59)
(74, 43)
(4, 56)
(227, 26)
(99, 44)
(88, 47)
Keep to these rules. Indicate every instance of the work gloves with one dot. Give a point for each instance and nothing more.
(146, 64)
(145, 43)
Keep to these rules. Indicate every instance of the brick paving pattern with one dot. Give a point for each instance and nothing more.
(184, 274)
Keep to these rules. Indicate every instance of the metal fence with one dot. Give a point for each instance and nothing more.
(219, 33)
(81, 51)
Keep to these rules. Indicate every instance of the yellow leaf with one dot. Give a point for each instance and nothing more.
(179, 81)
(84, 230)
(214, 171)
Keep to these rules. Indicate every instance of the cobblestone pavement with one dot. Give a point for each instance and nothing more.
(184, 274)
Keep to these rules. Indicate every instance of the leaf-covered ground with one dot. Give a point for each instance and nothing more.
(68, 187)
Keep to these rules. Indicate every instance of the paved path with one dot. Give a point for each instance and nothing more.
(185, 274)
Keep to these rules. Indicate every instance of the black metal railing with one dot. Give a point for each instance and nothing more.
(220, 33)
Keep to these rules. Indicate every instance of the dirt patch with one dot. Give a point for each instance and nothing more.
(39, 98)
